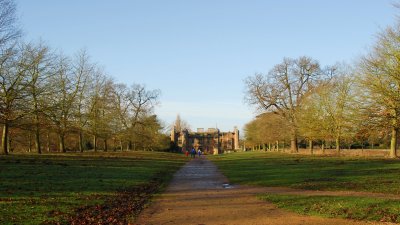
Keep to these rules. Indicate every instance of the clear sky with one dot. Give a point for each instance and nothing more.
(198, 52)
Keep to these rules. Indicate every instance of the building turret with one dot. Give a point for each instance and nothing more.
(236, 139)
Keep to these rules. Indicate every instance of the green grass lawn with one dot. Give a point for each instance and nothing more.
(357, 208)
(319, 173)
(38, 188)
(311, 172)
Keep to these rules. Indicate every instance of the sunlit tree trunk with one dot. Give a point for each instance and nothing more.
(37, 135)
(311, 146)
(4, 138)
(95, 143)
(393, 143)
(293, 144)
(293, 141)
(337, 141)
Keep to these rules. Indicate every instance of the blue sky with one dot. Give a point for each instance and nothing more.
(198, 52)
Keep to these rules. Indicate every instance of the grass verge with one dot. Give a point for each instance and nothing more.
(358, 208)
(49, 188)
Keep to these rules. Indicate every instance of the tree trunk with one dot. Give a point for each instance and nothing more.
(323, 148)
(393, 143)
(311, 147)
(80, 141)
(48, 141)
(95, 143)
(293, 142)
(4, 139)
(62, 143)
(30, 142)
(120, 145)
(37, 135)
(337, 145)
(277, 146)
(37, 141)
(9, 144)
(293, 145)
(269, 147)
(105, 145)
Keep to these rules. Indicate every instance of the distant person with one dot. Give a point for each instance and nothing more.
(193, 153)
(187, 153)
(199, 153)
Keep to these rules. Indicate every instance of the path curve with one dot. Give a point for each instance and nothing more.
(197, 195)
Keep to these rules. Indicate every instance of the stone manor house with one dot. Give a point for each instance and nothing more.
(211, 141)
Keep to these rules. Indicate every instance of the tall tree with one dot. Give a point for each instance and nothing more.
(82, 67)
(96, 106)
(142, 102)
(380, 75)
(283, 90)
(10, 76)
(180, 124)
(328, 112)
(9, 30)
(39, 63)
(12, 91)
(65, 88)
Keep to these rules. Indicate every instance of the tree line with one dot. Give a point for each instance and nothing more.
(299, 100)
(54, 102)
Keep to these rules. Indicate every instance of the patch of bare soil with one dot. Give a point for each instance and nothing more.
(198, 194)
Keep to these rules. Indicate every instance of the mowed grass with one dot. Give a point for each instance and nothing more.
(320, 173)
(42, 188)
(357, 208)
(311, 172)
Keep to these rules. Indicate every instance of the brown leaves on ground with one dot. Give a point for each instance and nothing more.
(119, 208)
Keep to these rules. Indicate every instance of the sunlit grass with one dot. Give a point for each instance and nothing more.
(35, 188)
(320, 173)
(358, 208)
(311, 172)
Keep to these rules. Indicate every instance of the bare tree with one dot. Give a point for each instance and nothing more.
(38, 71)
(65, 88)
(142, 102)
(380, 75)
(328, 111)
(9, 31)
(96, 106)
(284, 89)
(180, 124)
(12, 91)
(83, 68)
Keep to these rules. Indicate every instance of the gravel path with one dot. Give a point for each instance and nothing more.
(198, 194)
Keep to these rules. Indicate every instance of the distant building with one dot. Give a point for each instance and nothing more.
(211, 141)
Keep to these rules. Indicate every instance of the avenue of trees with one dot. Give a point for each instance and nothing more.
(53, 102)
(335, 106)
